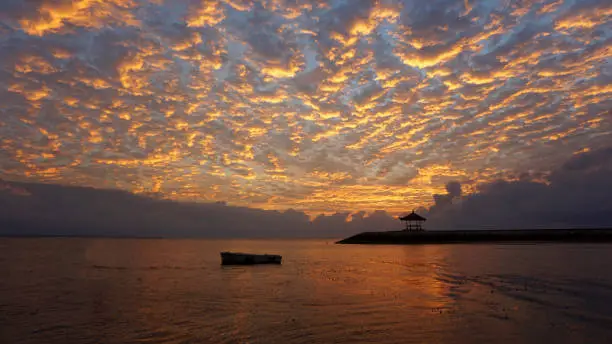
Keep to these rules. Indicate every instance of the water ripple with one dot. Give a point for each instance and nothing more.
(165, 291)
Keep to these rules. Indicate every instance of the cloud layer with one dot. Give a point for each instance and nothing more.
(575, 195)
(317, 106)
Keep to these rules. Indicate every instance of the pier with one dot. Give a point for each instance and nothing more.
(584, 235)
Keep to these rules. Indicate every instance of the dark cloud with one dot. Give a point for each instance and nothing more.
(17, 9)
(43, 209)
(440, 20)
(596, 160)
(341, 18)
(576, 195)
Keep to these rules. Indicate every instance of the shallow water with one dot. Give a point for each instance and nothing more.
(58, 290)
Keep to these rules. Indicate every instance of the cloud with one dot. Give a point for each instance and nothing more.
(40, 18)
(68, 210)
(576, 194)
(12, 189)
(329, 107)
(573, 195)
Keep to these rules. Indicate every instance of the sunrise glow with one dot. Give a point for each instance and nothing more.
(311, 105)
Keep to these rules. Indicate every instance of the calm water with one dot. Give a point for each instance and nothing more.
(175, 291)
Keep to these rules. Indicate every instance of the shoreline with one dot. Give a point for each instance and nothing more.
(582, 235)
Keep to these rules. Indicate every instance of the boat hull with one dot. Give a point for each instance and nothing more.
(232, 258)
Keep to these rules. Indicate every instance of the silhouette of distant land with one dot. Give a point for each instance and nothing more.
(414, 233)
(578, 235)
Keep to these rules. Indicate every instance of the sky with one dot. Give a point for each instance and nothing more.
(310, 107)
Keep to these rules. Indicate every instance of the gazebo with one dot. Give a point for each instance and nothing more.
(413, 222)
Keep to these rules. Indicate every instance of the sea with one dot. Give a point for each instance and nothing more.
(90, 290)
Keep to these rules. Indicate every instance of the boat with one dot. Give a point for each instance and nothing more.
(235, 258)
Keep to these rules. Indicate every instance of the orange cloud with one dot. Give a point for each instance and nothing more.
(293, 105)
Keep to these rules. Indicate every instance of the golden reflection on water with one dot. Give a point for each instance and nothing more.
(175, 291)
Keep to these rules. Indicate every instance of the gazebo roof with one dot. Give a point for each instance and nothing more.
(413, 217)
